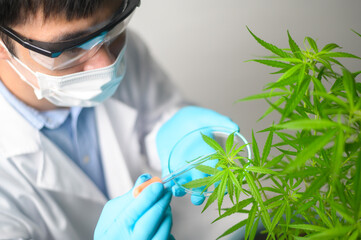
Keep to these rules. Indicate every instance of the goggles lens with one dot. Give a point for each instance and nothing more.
(79, 54)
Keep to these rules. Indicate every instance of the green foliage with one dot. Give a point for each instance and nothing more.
(312, 156)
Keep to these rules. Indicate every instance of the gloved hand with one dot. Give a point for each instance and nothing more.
(146, 217)
(185, 121)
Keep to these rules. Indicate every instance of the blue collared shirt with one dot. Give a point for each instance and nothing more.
(73, 130)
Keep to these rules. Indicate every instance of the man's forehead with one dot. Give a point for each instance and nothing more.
(59, 28)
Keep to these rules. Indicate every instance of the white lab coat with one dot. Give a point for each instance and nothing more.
(43, 194)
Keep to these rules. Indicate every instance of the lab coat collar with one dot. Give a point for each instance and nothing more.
(30, 152)
(18, 140)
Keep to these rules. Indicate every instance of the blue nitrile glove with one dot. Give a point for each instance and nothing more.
(147, 216)
(184, 121)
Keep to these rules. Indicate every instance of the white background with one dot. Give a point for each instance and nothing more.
(203, 46)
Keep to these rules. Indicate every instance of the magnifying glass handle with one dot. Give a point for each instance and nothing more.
(142, 186)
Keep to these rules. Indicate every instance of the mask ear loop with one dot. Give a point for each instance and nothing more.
(37, 91)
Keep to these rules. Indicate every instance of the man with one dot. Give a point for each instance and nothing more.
(84, 111)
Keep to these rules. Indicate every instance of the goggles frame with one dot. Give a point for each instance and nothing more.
(54, 49)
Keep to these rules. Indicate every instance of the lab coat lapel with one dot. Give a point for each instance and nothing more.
(39, 160)
(115, 122)
(59, 173)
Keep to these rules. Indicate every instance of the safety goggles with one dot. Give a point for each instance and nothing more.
(68, 53)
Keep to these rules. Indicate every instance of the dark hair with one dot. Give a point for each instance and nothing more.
(13, 12)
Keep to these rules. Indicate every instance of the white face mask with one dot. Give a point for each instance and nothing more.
(86, 89)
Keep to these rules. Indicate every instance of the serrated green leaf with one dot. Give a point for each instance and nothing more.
(343, 211)
(212, 143)
(330, 59)
(274, 161)
(312, 43)
(308, 124)
(288, 215)
(331, 233)
(275, 190)
(272, 63)
(255, 151)
(340, 190)
(355, 235)
(290, 60)
(310, 150)
(283, 83)
(277, 108)
(330, 47)
(259, 200)
(302, 73)
(355, 74)
(308, 227)
(278, 215)
(295, 98)
(254, 229)
(250, 223)
(236, 150)
(229, 143)
(318, 85)
(332, 98)
(274, 204)
(350, 86)
(201, 182)
(294, 47)
(305, 206)
(230, 190)
(337, 85)
(287, 152)
(261, 170)
(263, 95)
(309, 171)
(267, 148)
(234, 228)
(325, 219)
(222, 190)
(356, 32)
(234, 180)
(211, 198)
(207, 169)
(290, 72)
(342, 55)
(325, 62)
(339, 145)
(357, 187)
(271, 108)
(269, 46)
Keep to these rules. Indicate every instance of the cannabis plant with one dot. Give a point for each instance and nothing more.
(306, 181)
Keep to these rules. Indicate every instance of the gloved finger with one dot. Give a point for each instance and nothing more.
(143, 229)
(176, 184)
(150, 221)
(165, 227)
(197, 199)
(178, 191)
(109, 233)
(116, 206)
(171, 237)
(146, 199)
(141, 179)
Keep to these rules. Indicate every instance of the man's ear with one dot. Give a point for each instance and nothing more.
(4, 53)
